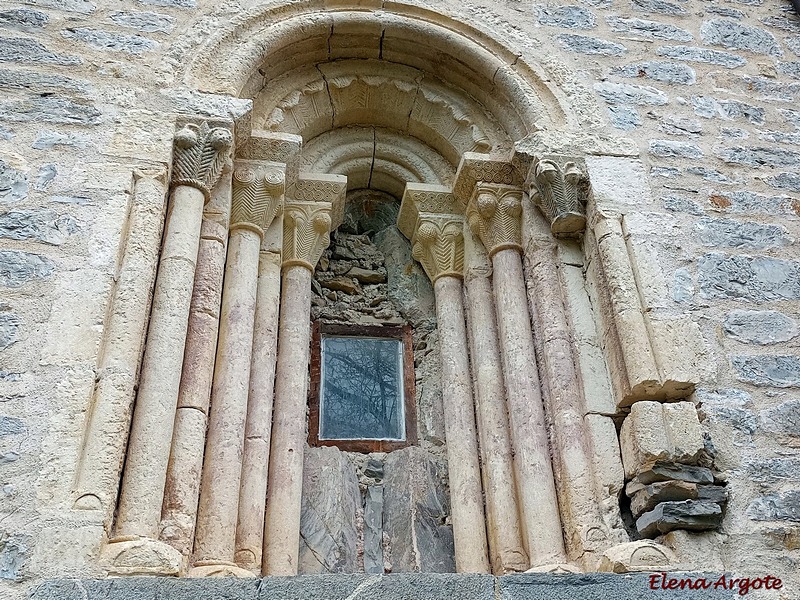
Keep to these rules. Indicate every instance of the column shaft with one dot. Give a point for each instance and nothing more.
(535, 483)
(505, 536)
(285, 485)
(222, 468)
(255, 465)
(189, 436)
(143, 483)
(466, 499)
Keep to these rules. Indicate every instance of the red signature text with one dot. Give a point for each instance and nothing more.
(661, 581)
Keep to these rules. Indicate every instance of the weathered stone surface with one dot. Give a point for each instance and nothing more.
(783, 506)
(38, 82)
(11, 426)
(373, 530)
(77, 6)
(683, 287)
(415, 509)
(15, 550)
(172, 3)
(681, 204)
(663, 471)
(23, 18)
(18, 268)
(785, 181)
(13, 183)
(658, 6)
(694, 515)
(625, 93)
(641, 555)
(726, 12)
(783, 419)
(368, 276)
(708, 107)
(704, 55)
(624, 117)
(589, 45)
(760, 327)
(712, 175)
(50, 109)
(672, 149)
(114, 42)
(777, 371)
(666, 172)
(780, 137)
(649, 29)
(9, 326)
(792, 69)
(736, 36)
(341, 284)
(727, 233)
(331, 501)
(758, 156)
(748, 202)
(751, 278)
(148, 22)
(25, 50)
(663, 491)
(773, 470)
(46, 140)
(44, 177)
(569, 17)
(659, 70)
(41, 226)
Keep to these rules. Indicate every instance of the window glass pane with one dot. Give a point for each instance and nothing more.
(362, 389)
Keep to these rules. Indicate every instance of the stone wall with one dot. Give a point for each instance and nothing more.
(390, 511)
(706, 89)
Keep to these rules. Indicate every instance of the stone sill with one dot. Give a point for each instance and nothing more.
(400, 586)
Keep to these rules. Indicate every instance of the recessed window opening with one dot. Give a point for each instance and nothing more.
(362, 388)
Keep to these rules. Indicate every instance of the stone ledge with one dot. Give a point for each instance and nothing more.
(401, 586)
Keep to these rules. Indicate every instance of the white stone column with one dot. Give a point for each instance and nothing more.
(103, 449)
(507, 552)
(179, 512)
(257, 192)
(255, 464)
(494, 212)
(439, 246)
(306, 232)
(200, 153)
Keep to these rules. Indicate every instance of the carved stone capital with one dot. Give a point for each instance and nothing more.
(494, 214)
(306, 232)
(257, 194)
(475, 168)
(321, 187)
(438, 244)
(200, 154)
(559, 187)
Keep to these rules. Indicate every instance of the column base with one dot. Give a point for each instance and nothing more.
(207, 568)
(642, 555)
(141, 556)
(555, 569)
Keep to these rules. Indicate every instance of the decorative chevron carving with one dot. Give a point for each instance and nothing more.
(257, 195)
(494, 215)
(306, 232)
(438, 244)
(200, 154)
(559, 187)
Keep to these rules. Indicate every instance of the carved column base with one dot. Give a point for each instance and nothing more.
(631, 557)
(141, 556)
(568, 224)
(556, 569)
(218, 569)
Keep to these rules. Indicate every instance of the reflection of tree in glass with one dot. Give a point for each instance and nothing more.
(362, 394)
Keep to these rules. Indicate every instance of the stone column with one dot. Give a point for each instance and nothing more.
(306, 233)
(439, 246)
(257, 193)
(200, 153)
(494, 212)
(557, 191)
(103, 449)
(255, 464)
(505, 535)
(182, 491)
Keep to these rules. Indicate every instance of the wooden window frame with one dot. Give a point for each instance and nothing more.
(314, 390)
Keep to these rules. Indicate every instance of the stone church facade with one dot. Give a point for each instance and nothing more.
(407, 299)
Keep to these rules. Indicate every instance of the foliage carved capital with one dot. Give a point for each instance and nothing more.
(306, 232)
(559, 187)
(200, 152)
(438, 244)
(257, 194)
(494, 214)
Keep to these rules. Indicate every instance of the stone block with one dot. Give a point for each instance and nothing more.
(760, 326)
(655, 432)
(663, 471)
(626, 93)
(696, 550)
(148, 22)
(752, 278)
(18, 268)
(737, 36)
(663, 491)
(658, 6)
(703, 55)
(569, 17)
(38, 226)
(650, 30)
(673, 149)
(756, 156)
(694, 515)
(641, 555)
(584, 44)
(773, 371)
(783, 506)
(745, 235)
